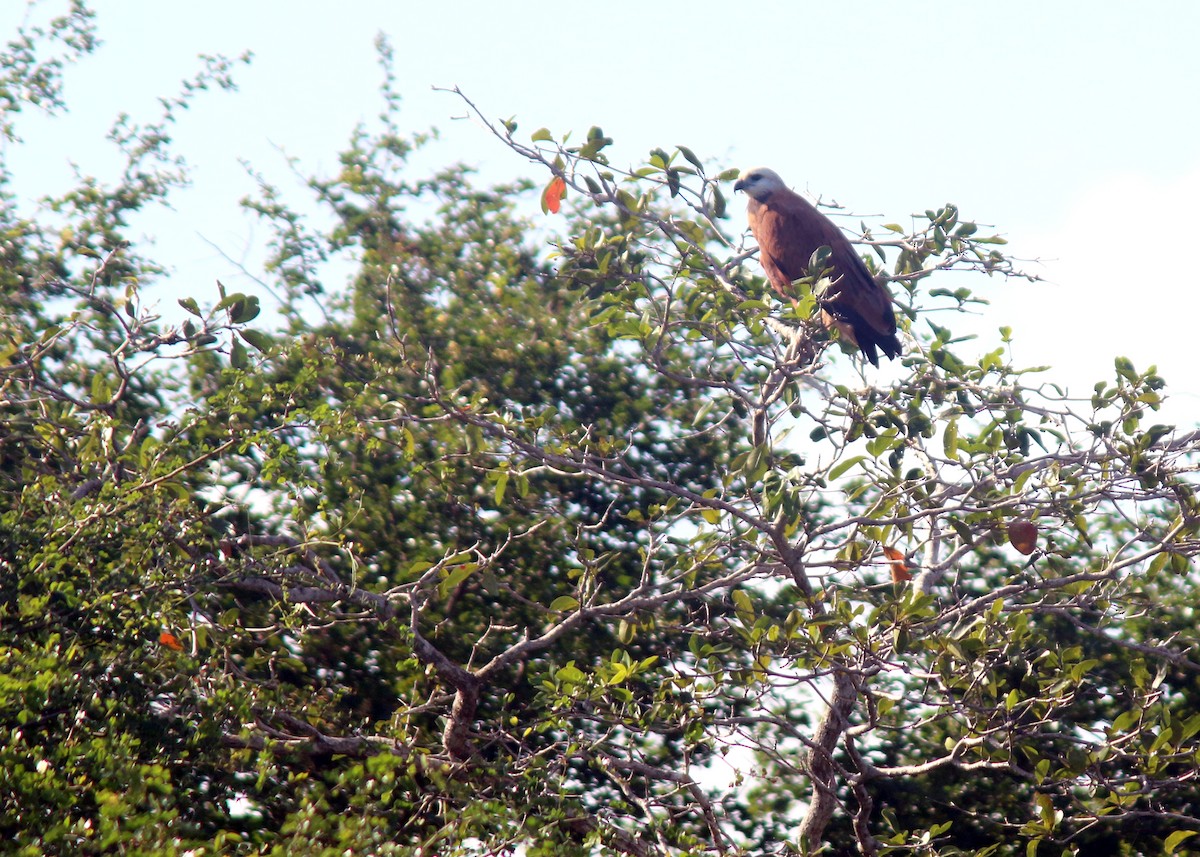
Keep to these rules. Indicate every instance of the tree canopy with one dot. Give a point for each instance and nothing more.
(556, 533)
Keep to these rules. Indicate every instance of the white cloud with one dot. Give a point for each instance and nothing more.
(1121, 280)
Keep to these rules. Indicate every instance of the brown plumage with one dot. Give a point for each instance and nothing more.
(789, 230)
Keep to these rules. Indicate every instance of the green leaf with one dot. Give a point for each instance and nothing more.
(244, 310)
(718, 202)
(101, 392)
(261, 341)
(541, 134)
(886, 442)
(673, 182)
(596, 141)
(228, 301)
(456, 576)
(844, 465)
(237, 355)
(691, 157)
(950, 439)
(563, 603)
(1177, 838)
(570, 674)
(1124, 721)
(191, 306)
(963, 530)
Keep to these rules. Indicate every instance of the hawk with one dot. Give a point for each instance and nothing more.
(789, 230)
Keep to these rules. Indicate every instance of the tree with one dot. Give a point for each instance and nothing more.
(509, 550)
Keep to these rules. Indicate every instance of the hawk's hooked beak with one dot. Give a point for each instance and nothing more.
(739, 185)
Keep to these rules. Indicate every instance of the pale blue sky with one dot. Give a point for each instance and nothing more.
(1070, 126)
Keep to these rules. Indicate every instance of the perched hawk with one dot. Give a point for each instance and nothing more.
(789, 230)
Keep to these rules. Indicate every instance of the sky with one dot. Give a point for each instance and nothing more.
(1069, 127)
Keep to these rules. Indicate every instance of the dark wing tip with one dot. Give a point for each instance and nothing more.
(889, 344)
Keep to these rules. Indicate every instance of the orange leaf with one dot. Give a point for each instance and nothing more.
(899, 564)
(553, 194)
(170, 641)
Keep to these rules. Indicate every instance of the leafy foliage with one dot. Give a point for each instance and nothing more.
(499, 550)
